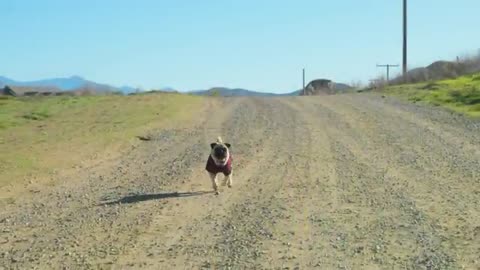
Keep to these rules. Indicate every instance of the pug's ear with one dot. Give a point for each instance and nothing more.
(228, 145)
(212, 145)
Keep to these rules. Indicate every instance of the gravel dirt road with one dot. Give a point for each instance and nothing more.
(334, 182)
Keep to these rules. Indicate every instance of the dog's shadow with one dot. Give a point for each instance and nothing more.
(136, 198)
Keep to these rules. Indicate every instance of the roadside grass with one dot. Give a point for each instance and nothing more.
(461, 95)
(43, 135)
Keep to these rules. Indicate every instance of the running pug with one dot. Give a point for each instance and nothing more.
(220, 161)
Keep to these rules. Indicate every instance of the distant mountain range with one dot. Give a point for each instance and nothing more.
(74, 83)
(235, 92)
(67, 84)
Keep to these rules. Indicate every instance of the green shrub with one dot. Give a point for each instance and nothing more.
(475, 108)
(37, 115)
(469, 96)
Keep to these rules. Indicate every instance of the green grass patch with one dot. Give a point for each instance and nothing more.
(38, 115)
(460, 95)
(40, 134)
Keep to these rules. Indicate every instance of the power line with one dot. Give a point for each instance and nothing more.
(388, 66)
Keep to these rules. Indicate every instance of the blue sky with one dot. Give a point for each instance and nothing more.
(254, 44)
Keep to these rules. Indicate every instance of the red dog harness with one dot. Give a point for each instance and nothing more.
(214, 168)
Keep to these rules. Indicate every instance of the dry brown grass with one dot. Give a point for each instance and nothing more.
(441, 70)
(41, 136)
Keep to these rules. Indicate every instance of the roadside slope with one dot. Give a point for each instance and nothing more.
(460, 95)
(43, 137)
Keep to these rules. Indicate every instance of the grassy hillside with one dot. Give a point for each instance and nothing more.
(461, 94)
(41, 135)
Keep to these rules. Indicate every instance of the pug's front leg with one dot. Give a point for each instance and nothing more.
(213, 177)
(229, 180)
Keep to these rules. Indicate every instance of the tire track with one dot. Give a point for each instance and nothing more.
(388, 181)
(310, 186)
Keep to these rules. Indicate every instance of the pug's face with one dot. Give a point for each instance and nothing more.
(220, 151)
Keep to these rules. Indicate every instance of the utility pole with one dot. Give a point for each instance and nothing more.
(303, 82)
(388, 66)
(405, 40)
